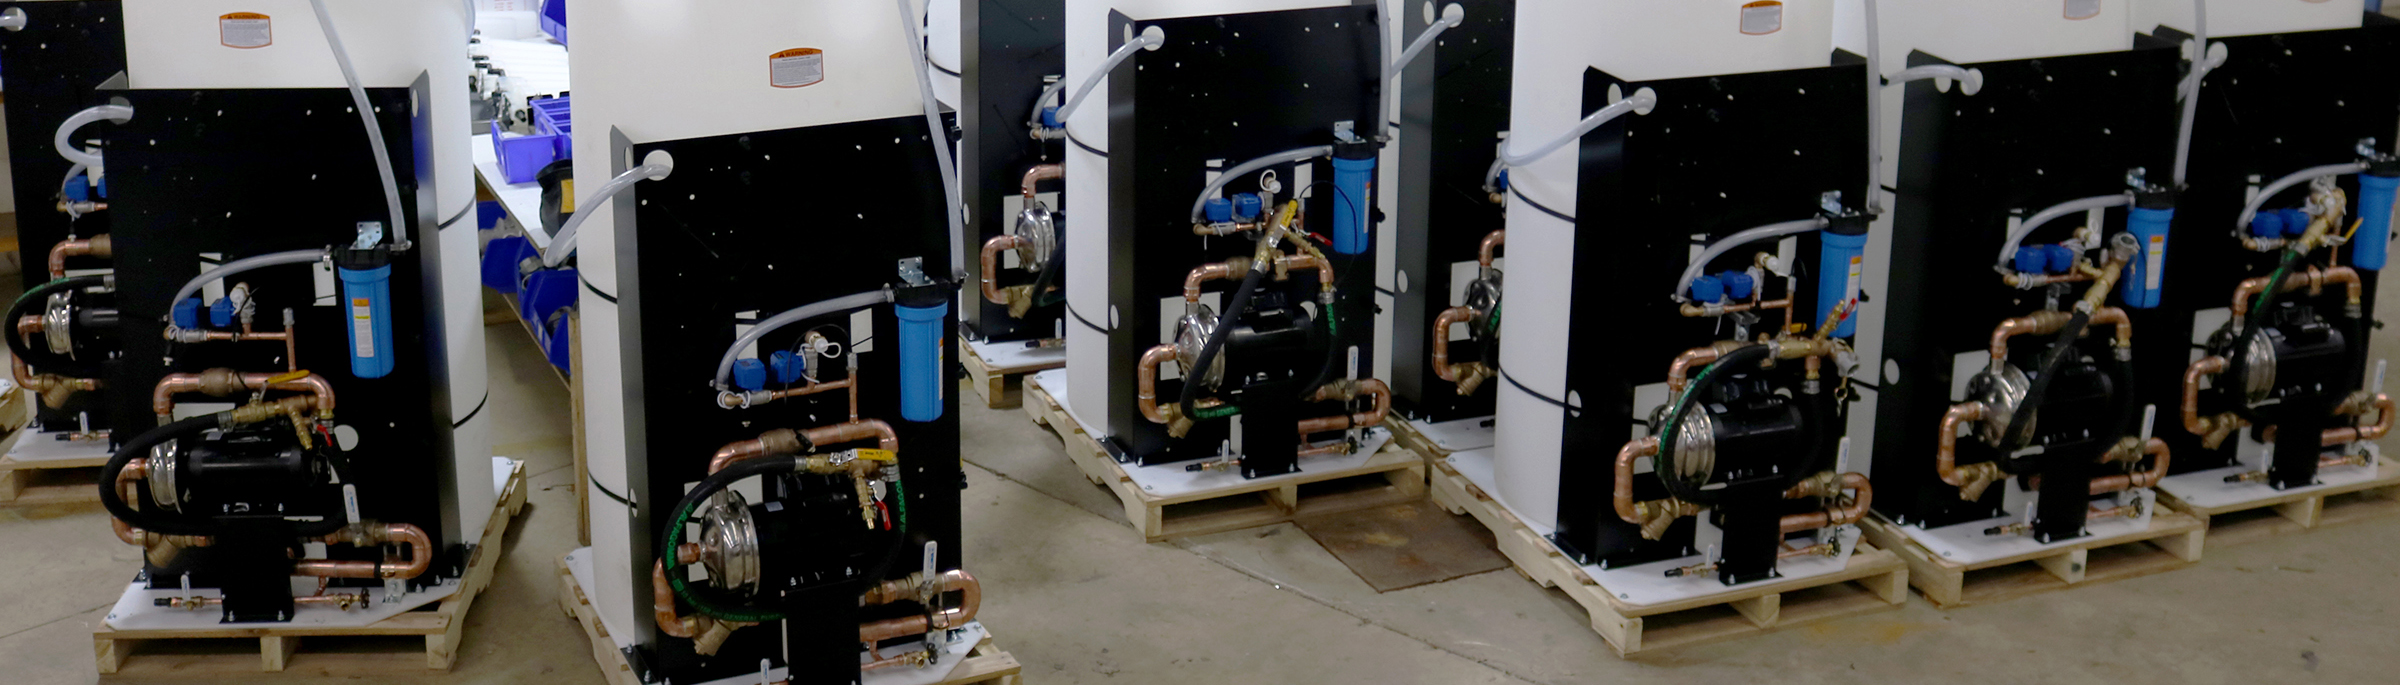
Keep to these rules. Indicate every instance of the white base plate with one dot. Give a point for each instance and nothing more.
(34, 446)
(1457, 435)
(1015, 354)
(954, 652)
(2208, 489)
(1965, 543)
(1648, 584)
(1170, 480)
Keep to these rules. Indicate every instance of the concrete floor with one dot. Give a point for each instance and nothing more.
(1076, 596)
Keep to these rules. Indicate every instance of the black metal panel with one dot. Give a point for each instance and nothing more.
(238, 173)
(1451, 113)
(55, 65)
(2040, 132)
(751, 225)
(1719, 154)
(1234, 88)
(2280, 103)
(1010, 45)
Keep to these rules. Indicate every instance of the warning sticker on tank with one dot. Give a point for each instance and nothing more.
(245, 30)
(2083, 9)
(362, 327)
(2154, 260)
(1850, 287)
(796, 67)
(1762, 17)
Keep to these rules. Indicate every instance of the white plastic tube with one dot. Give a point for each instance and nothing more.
(397, 221)
(2191, 95)
(1641, 102)
(1451, 16)
(245, 264)
(656, 165)
(1715, 249)
(941, 142)
(1970, 81)
(1245, 168)
(1150, 39)
(2250, 209)
(800, 313)
(2016, 236)
(1874, 199)
(66, 132)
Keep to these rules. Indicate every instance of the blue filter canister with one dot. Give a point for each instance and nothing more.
(1353, 196)
(2152, 213)
(2372, 245)
(921, 357)
(367, 299)
(1841, 258)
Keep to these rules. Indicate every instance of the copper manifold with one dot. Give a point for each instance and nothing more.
(2039, 323)
(2314, 279)
(420, 553)
(95, 246)
(787, 442)
(222, 382)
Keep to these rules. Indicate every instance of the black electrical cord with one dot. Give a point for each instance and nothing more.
(1665, 462)
(1216, 338)
(39, 294)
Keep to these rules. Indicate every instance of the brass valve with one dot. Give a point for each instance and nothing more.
(1978, 477)
(1657, 515)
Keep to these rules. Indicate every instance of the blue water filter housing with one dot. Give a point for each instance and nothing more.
(2147, 222)
(367, 301)
(1353, 193)
(921, 358)
(1841, 260)
(2371, 247)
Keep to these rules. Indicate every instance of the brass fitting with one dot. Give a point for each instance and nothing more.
(1657, 515)
(714, 636)
(2217, 428)
(1976, 477)
(1824, 484)
(1471, 376)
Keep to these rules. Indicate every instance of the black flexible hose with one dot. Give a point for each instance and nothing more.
(138, 448)
(1216, 338)
(39, 294)
(1332, 340)
(1665, 466)
(2020, 429)
(1049, 274)
(2236, 357)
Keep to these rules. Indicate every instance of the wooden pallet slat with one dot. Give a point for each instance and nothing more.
(1875, 580)
(412, 643)
(2173, 541)
(50, 481)
(986, 664)
(2269, 517)
(1001, 387)
(1391, 476)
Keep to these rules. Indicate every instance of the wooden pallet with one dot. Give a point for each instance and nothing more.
(2275, 516)
(416, 643)
(985, 665)
(2173, 541)
(1874, 581)
(50, 481)
(1391, 476)
(1001, 387)
(1406, 437)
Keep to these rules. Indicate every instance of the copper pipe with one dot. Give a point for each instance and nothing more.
(1145, 381)
(340, 600)
(1337, 391)
(2022, 280)
(2349, 434)
(1490, 247)
(1441, 339)
(2313, 279)
(1623, 493)
(787, 442)
(96, 246)
(1840, 515)
(1322, 450)
(1286, 264)
(2157, 450)
(662, 606)
(1945, 459)
(991, 265)
(2040, 323)
(2192, 421)
(956, 580)
(1715, 310)
(1681, 370)
(1235, 268)
(28, 326)
(222, 382)
(54, 389)
(1037, 174)
(420, 554)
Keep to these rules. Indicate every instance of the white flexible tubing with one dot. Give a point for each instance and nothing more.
(2191, 98)
(800, 313)
(941, 143)
(1451, 16)
(74, 153)
(2250, 209)
(2016, 236)
(1874, 199)
(656, 165)
(1383, 40)
(1150, 39)
(1715, 249)
(366, 115)
(1245, 168)
(1641, 101)
(245, 264)
(1970, 81)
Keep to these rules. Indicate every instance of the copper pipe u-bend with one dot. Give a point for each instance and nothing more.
(1372, 417)
(1490, 248)
(1622, 494)
(2313, 279)
(2375, 431)
(991, 265)
(221, 382)
(1857, 509)
(2040, 323)
(1145, 380)
(2157, 451)
(1037, 174)
(1205, 273)
(96, 246)
(1945, 456)
(1441, 339)
(420, 556)
(786, 442)
(956, 580)
(2205, 367)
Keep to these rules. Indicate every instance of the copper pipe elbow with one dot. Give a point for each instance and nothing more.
(991, 265)
(2156, 449)
(2314, 279)
(1235, 268)
(1490, 248)
(1037, 174)
(1373, 416)
(29, 325)
(420, 555)
(2042, 323)
(1623, 492)
(854, 431)
(1854, 512)
(970, 602)
(1288, 263)
(662, 606)
(96, 246)
(1441, 339)
(2374, 431)
(1145, 380)
(2206, 366)
(1945, 456)
(778, 442)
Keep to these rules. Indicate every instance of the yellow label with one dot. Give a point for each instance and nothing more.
(566, 196)
(877, 455)
(288, 377)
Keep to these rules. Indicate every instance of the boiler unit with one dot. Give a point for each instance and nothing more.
(1013, 165)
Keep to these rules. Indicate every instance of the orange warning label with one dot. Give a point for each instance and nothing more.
(1762, 17)
(245, 30)
(796, 67)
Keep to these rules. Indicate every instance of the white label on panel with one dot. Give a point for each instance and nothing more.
(2083, 9)
(1762, 17)
(245, 30)
(796, 67)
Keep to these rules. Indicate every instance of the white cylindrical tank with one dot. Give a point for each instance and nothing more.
(1636, 40)
(171, 44)
(2250, 17)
